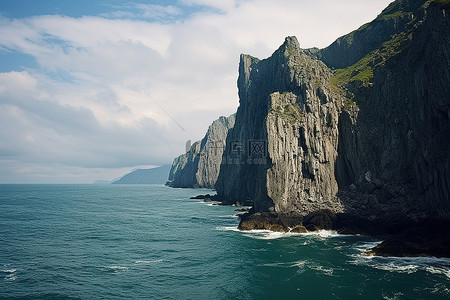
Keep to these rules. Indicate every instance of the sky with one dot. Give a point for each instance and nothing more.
(93, 89)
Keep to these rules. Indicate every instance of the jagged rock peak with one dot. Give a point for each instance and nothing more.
(290, 47)
(291, 43)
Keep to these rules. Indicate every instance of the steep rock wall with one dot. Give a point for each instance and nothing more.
(200, 166)
(396, 148)
(285, 102)
(184, 168)
(302, 145)
(212, 147)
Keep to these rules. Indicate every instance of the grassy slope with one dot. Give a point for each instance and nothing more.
(361, 72)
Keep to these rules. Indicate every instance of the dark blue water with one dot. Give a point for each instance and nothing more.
(153, 242)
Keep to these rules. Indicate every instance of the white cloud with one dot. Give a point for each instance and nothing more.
(108, 90)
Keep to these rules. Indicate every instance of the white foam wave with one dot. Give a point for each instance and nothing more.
(399, 268)
(439, 288)
(116, 269)
(323, 233)
(208, 203)
(299, 264)
(227, 228)
(395, 297)
(11, 274)
(303, 265)
(269, 235)
(228, 217)
(363, 247)
(10, 277)
(325, 271)
(277, 264)
(438, 270)
(263, 234)
(259, 249)
(147, 262)
(409, 265)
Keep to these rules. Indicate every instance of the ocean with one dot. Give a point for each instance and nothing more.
(153, 242)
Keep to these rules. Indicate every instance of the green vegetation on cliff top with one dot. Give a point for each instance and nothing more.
(362, 71)
(394, 15)
(393, 11)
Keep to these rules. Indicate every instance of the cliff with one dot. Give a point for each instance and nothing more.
(354, 137)
(288, 106)
(200, 166)
(184, 168)
(369, 140)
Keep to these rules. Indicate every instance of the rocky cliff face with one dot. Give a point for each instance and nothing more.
(200, 166)
(288, 107)
(212, 147)
(303, 151)
(395, 149)
(184, 168)
(370, 139)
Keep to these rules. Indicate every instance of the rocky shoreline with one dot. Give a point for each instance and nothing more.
(404, 238)
(401, 237)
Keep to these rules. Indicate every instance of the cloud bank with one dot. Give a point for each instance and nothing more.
(127, 88)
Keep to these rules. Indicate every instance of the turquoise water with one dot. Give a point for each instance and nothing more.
(153, 242)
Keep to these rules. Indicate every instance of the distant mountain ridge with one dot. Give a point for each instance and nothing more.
(156, 175)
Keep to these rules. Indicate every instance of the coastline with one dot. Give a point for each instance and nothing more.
(404, 238)
(399, 237)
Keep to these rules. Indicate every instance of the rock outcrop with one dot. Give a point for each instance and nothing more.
(199, 167)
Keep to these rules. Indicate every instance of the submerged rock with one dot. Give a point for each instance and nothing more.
(425, 239)
(299, 229)
(321, 219)
(269, 221)
(201, 196)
